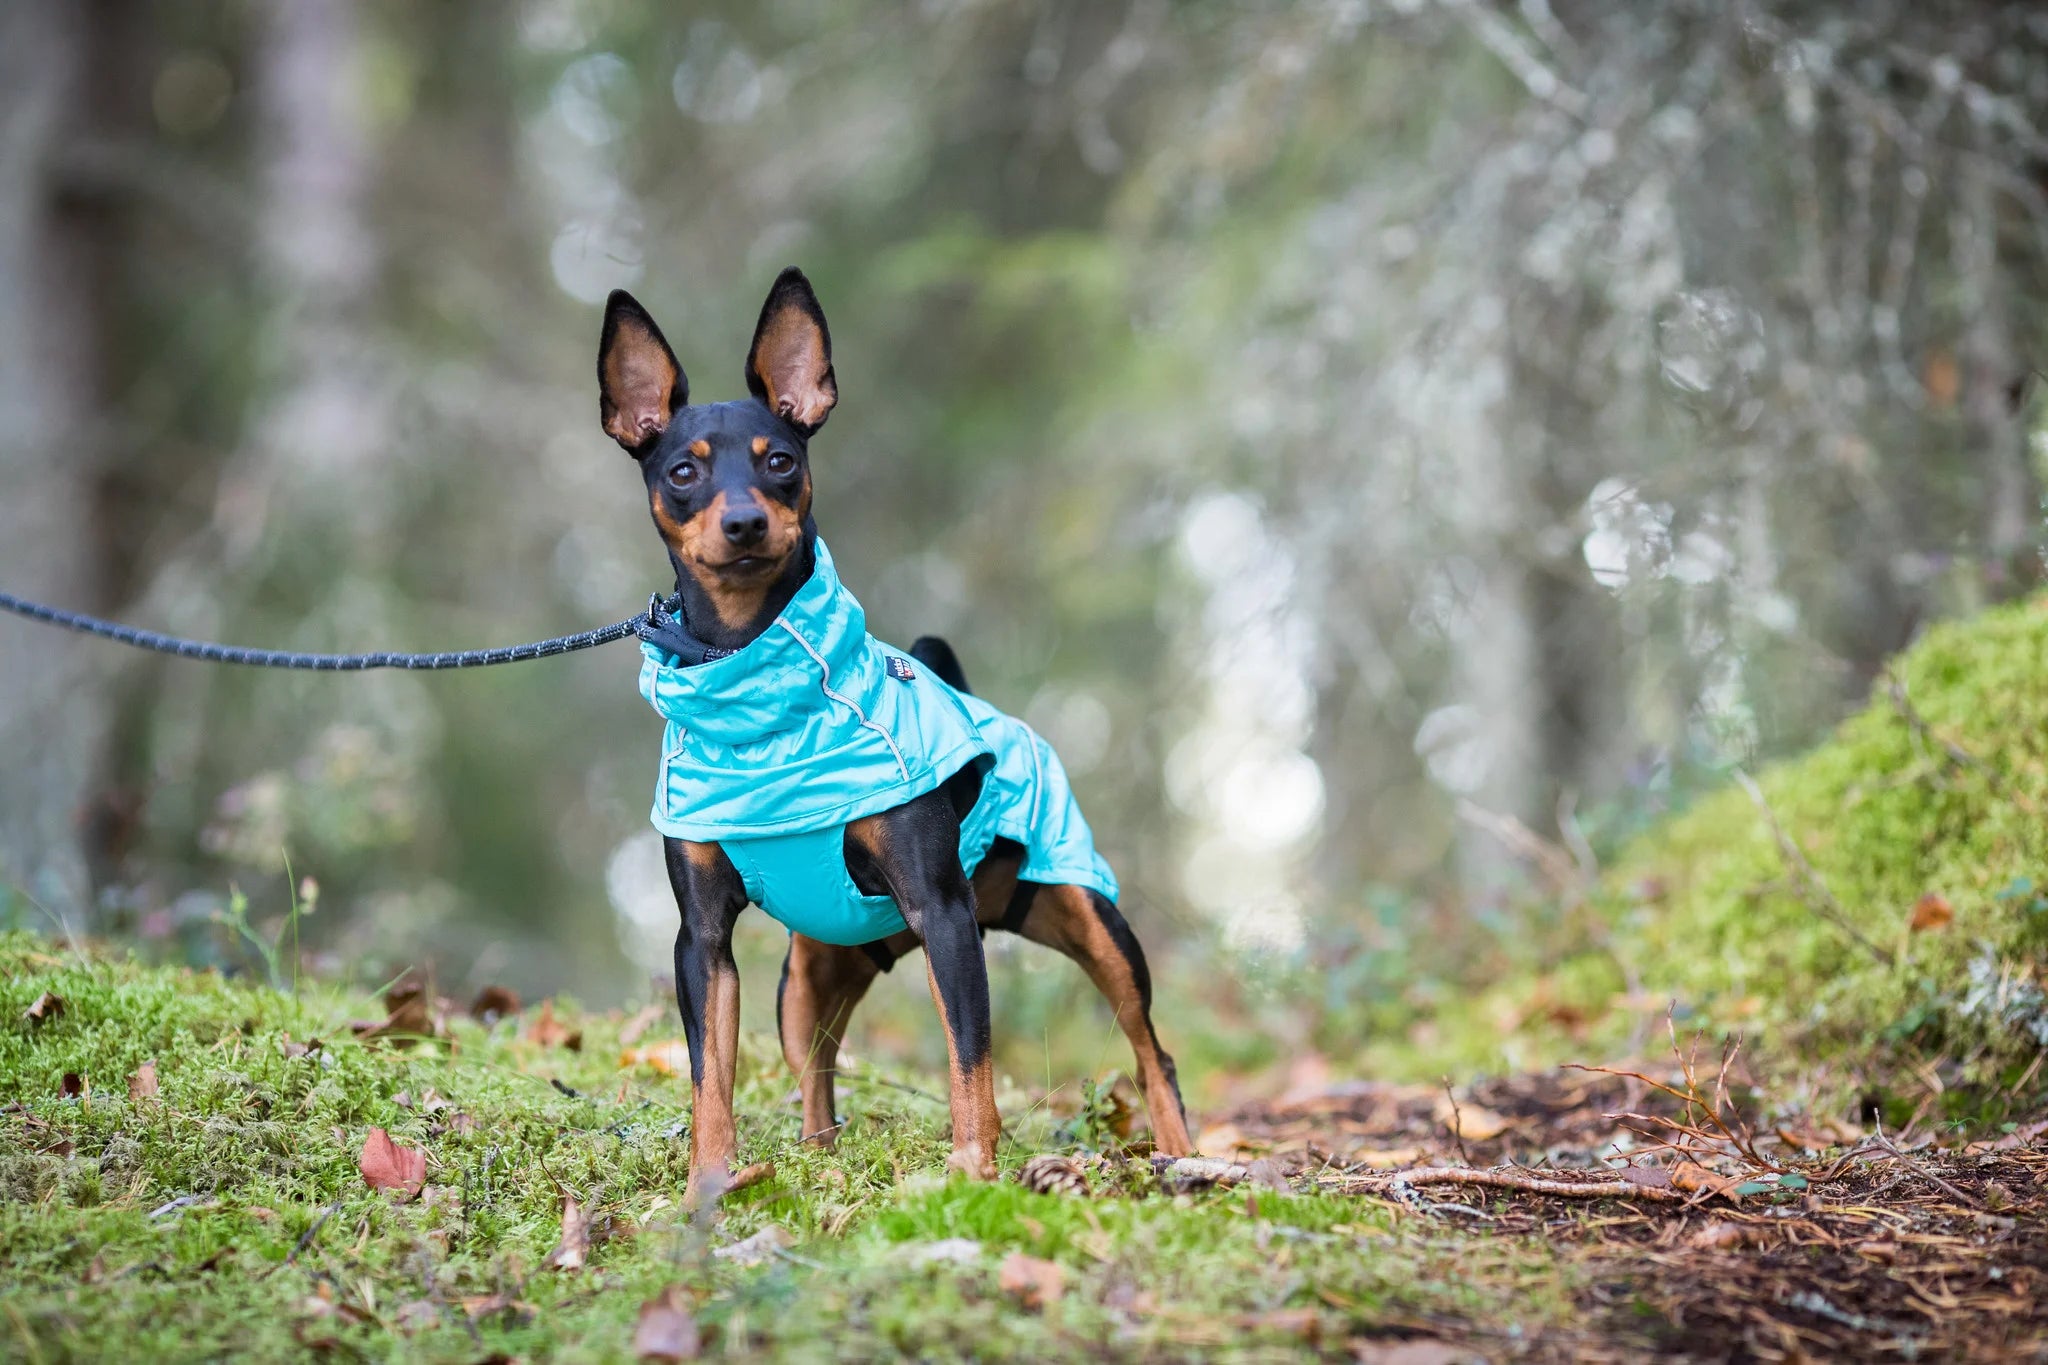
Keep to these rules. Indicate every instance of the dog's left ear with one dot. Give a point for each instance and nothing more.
(789, 366)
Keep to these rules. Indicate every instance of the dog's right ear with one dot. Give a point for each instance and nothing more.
(639, 384)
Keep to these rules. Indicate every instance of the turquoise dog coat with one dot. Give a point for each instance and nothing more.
(772, 751)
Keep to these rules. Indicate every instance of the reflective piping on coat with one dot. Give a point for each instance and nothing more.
(668, 759)
(825, 686)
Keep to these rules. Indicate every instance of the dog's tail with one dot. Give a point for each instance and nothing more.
(939, 657)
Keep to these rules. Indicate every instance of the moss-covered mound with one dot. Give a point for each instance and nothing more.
(1922, 916)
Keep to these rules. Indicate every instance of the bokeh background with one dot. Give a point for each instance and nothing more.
(1384, 444)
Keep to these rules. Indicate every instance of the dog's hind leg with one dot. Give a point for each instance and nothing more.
(821, 983)
(1091, 930)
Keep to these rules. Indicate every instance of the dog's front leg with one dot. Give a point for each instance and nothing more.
(916, 850)
(711, 895)
(959, 980)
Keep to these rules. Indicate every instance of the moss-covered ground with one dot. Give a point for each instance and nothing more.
(225, 1215)
(1918, 938)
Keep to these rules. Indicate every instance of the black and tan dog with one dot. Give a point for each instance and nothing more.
(729, 486)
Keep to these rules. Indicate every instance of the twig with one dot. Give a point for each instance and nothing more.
(1503, 1178)
(1961, 1197)
(306, 1238)
(1457, 1122)
(1954, 752)
(1817, 896)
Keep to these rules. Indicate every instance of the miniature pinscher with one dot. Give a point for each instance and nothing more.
(729, 487)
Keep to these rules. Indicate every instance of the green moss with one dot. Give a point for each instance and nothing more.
(1705, 912)
(196, 1224)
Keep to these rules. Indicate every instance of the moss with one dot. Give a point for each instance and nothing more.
(196, 1224)
(1704, 913)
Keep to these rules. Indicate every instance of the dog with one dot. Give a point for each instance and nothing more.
(861, 795)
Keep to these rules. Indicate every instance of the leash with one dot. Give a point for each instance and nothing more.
(652, 623)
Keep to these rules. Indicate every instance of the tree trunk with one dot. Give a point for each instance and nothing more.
(52, 709)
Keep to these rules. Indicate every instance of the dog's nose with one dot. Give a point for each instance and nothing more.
(746, 527)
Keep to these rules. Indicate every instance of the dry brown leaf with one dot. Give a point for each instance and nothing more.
(387, 1166)
(574, 1249)
(75, 1086)
(1031, 1281)
(549, 1032)
(1931, 911)
(1471, 1121)
(641, 1021)
(666, 1330)
(142, 1085)
(410, 1016)
(1294, 1322)
(45, 1008)
(1720, 1236)
(1226, 1140)
(1693, 1178)
(1384, 1158)
(493, 1003)
(670, 1057)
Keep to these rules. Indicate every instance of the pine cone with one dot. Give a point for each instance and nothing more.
(1053, 1175)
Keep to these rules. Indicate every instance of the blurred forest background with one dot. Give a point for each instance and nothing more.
(1364, 435)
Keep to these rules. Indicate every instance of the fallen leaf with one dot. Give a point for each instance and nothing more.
(666, 1330)
(1470, 1121)
(670, 1057)
(142, 1085)
(1032, 1282)
(1226, 1140)
(1931, 911)
(493, 1003)
(1693, 1178)
(1720, 1236)
(75, 1087)
(641, 1021)
(489, 1305)
(387, 1166)
(410, 1016)
(574, 1248)
(1649, 1177)
(548, 1032)
(1385, 1158)
(760, 1247)
(45, 1008)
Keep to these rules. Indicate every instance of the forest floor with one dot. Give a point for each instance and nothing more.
(187, 1168)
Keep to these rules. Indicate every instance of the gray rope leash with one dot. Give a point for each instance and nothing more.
(331, 663)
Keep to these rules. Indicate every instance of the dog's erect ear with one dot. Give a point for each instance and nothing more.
(639, 384)
(789, 366)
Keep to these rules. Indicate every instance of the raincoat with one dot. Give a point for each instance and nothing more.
(772, 751)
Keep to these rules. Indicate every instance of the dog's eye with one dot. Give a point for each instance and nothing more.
(683, 475)
(781, 462)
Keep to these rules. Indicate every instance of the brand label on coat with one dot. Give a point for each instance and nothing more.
(900, 669)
